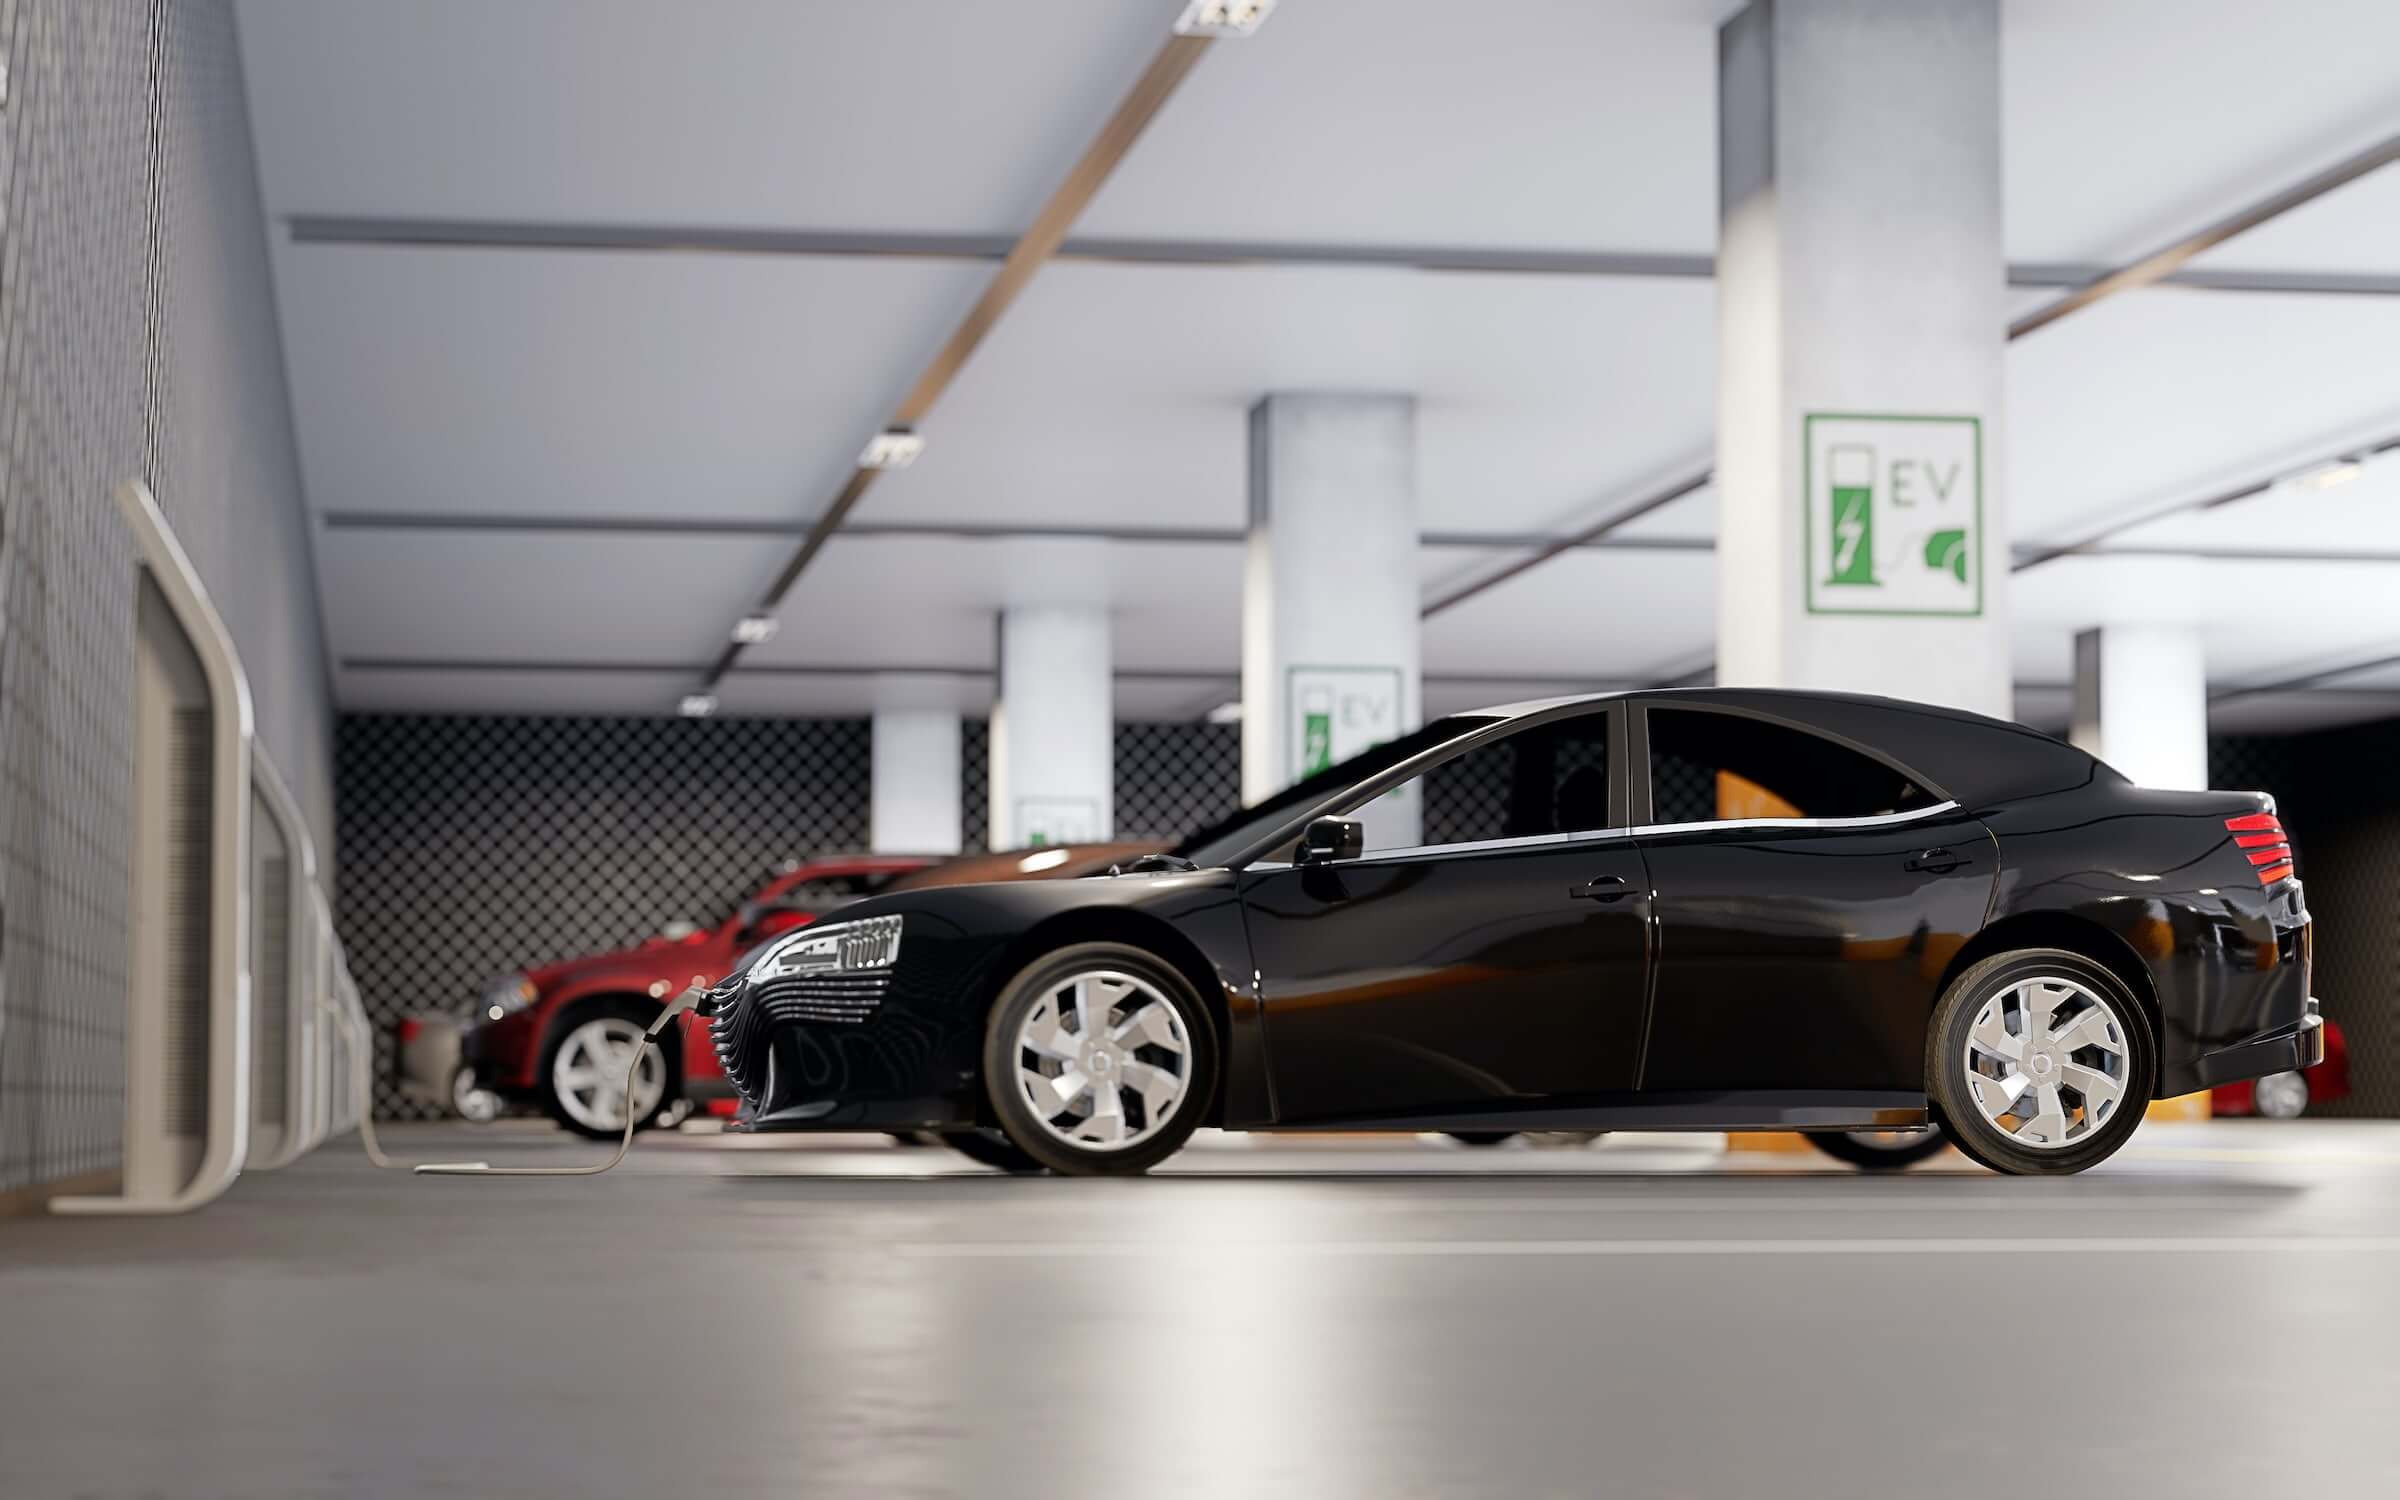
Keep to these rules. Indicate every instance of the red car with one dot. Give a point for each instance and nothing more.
(560, 1036)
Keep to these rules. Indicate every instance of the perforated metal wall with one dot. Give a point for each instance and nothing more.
(2336, 795)
(139, 341)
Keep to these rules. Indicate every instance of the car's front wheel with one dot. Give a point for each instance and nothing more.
(582, 1076)
(1099, 1058)
(2039, 1061)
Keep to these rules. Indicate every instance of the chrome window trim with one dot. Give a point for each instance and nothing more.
(1599, 835)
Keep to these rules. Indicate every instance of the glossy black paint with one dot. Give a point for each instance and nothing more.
(1711, 976)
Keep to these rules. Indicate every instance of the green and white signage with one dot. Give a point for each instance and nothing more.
(1894, 514)
(1336, 712)
(1057, 820)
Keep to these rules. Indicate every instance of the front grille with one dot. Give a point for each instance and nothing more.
(747, 1016)
(823, 997)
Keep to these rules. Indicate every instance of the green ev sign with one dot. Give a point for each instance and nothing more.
(1894, 514)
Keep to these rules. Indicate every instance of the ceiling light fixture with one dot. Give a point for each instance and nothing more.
(697, 705)
(1225, 18)
(2329, 476)
(750, 630)
(892, 448)
(1226, 713)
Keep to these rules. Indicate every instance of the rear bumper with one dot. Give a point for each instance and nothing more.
(2285, 1049)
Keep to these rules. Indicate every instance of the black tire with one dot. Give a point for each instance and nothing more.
(991, 1149)
(1874, 1156)
(1480, 1137)
(1953, 1098)
(1036, 983)
(670, 1058)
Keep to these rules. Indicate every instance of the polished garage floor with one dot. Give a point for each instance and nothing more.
(2215, 1313)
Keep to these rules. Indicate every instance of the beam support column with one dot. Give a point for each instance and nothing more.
(913, 797)
(1863, 544)
(1330, 662)
(2141, 702)
(1053, 744)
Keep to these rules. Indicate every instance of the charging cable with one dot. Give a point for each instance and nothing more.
(688, 1000)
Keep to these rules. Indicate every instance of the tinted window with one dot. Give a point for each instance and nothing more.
(1218, 842)
(1549, 779)
(1708, 767)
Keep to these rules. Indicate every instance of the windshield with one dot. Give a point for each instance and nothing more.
(1220, 841)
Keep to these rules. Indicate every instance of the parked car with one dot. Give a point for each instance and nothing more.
(2286, 1096)
(559, 1036)
(1710, 909)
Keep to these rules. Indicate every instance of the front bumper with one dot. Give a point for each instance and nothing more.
(885, 1049)
(2286, 1049)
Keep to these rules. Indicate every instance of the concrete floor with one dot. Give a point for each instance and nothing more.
(2217, 1312)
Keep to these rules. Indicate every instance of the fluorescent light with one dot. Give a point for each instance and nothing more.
(1226, 18)
(697, 705)
(892, 448)
(2340, 472)
(1226, 713)
(749, 630)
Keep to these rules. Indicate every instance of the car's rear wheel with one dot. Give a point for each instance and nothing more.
(1099, 1058)
(582, 1075)
(992, 1149)
(2039, 1061)
(1879, 1150)
(469, 1100)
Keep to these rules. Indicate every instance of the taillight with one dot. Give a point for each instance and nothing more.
(2261, 839)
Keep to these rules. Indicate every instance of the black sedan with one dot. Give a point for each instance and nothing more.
(1706, 909)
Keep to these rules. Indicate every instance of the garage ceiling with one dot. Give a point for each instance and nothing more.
(547, 479)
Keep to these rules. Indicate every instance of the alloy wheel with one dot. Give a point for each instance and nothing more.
(1103, 1060)
(2048, 1060)
(588, 1073)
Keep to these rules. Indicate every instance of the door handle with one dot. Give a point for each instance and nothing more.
(1604, 888)
(1935, 862)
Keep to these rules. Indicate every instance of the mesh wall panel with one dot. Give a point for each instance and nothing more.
(2335, 792)
(1174, 778)
(474, 846)
(137, 340)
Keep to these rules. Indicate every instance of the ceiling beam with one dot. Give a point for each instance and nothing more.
(2168, 259)
(874, 244)
(1588, 536)
(1173, 61)
(2149, 270)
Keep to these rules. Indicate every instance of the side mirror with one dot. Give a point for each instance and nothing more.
(1328, 839)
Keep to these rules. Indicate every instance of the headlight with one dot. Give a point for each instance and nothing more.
(507, 994)
(828, 948)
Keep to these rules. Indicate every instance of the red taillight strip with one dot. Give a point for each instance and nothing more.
(2262, 833)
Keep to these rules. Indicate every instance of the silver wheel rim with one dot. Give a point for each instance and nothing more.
(2280, 1096)
(588, 1074)
(474, 1105)
(2047, 1061)
(1103, 1060)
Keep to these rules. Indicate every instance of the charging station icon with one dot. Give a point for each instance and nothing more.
(1850, 468)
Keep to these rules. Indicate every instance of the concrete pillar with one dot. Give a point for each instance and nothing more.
(1053, 745)
(1862, 543)
(1330, 663)
(2141, 702)
(913, 797)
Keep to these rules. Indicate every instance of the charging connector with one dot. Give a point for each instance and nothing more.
(690, 999)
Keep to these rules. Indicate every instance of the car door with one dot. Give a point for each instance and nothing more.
(1488, 961)
(1808, 897)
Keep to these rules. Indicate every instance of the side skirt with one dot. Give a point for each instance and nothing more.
(1734, 1109)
